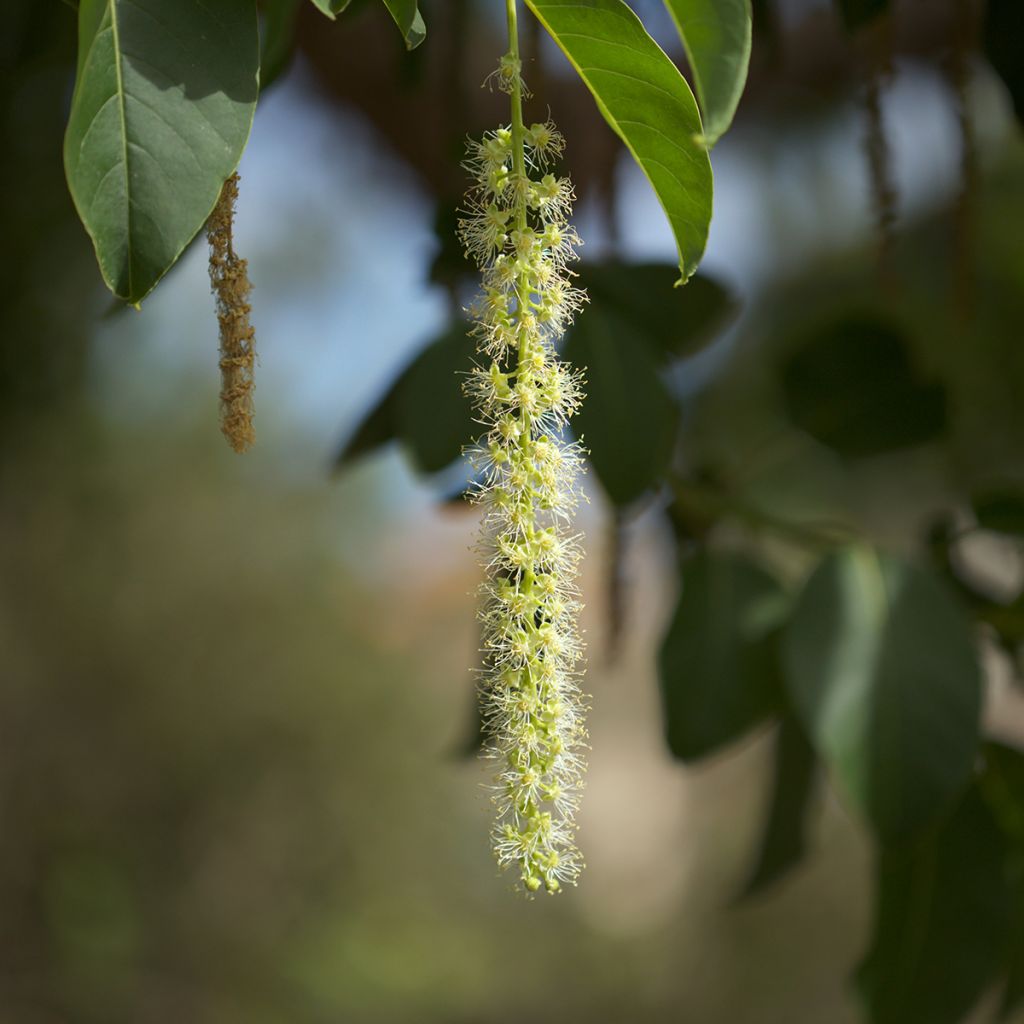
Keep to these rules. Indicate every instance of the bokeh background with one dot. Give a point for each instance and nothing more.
(236, 693)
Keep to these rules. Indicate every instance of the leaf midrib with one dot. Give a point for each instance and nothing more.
(119, 76)
(685, 270)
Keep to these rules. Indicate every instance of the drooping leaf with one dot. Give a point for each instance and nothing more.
(163, 103)
(718, 664)
(376, 429)
(941, 921)
(628, 420)
(332, 8)
(672, 323)
(648, 104)
(851, 386)
(424, 408)
(405, 14)
(880, 665)
(407, 17)
(433, 417)
(1000, 510)
(717, 36)
(277, 39)
(1004, 29)
(856, 13)
(784, 840)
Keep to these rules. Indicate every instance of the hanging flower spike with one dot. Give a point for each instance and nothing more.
(229, 280)
(516, 229)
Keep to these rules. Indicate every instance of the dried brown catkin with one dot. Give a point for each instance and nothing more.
(229, 280)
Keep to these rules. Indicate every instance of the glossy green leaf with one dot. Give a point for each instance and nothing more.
(672, 322)
(941, 922)
(794, 778)
(647, 102)
(163, 103)
(881, 667)
(717, 35)
(628, 420)
(407, 17)
(856, 13)
(1004, 29)
(719, 663)
(405, 14)
(424, 408)
(851, 385)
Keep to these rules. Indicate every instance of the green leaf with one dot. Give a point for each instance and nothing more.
(433, 417)
(405, 14)
(1004, 29)
(409, 21)
(162, 107)
(851, 386)
(856, 13)
(648, 104)
(628, 420)
(718, 663)
(672, 322)
(784, 841)
(717, 35)
(374, 431)
(881, 667)
(424, 408)
(1000, 510)
(941, 921)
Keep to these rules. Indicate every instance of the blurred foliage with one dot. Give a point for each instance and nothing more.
(719, 661)
(226, 787)
(42, 348)
(860, 630)
(785, 838)
(850, 385)
(881, 667)
(941, 921)
(1004, 26)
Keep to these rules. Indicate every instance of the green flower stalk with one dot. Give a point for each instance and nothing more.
(516, 229)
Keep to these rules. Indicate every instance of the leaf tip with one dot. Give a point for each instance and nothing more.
(416, 33)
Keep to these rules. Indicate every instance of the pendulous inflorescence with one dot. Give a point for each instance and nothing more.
(229, 279)
(516, 228)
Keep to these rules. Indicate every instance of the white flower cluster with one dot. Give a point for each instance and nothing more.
(516, 228)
